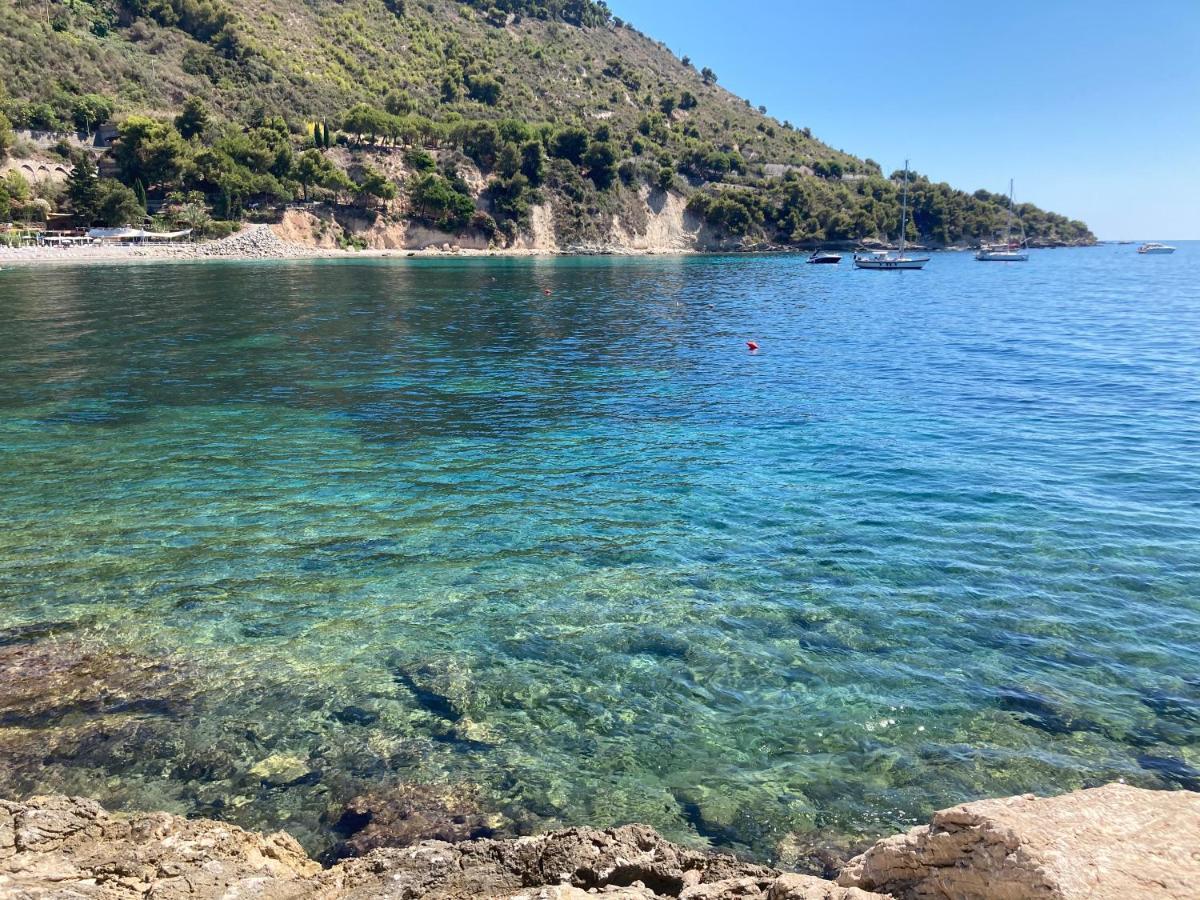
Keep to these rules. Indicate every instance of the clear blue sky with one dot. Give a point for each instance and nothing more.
(1093, 107)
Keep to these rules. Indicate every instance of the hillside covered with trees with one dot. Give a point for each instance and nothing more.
(463, 116)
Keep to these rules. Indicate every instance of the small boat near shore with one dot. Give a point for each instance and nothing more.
(824, 257)
(881, 260)
(1155, 247)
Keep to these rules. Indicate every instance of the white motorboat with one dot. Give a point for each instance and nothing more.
(824, 257)
(1009, 250)
(880, 260)
(1154, 247)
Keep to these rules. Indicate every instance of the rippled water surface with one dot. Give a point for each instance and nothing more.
(420, 520)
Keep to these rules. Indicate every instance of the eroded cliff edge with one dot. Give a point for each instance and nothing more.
(1114, 842)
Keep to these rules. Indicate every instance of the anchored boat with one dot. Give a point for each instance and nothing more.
(824, 257)
(1154, 247)
(1009, 250)
(886, 260)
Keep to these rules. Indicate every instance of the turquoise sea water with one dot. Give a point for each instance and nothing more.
(419, 520)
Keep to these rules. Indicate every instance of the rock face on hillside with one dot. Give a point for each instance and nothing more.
(1111, 842)
(1114, 842)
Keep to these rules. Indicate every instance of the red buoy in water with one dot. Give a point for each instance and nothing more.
(752, 345)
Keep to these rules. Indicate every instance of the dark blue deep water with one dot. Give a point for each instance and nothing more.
(421, 521)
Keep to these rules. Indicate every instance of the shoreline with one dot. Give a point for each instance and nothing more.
(260, 242)
(1114, 841)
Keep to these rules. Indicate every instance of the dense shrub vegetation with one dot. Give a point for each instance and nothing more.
(463, 115)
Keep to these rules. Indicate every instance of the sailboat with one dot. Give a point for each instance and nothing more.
(886, 260)
(1008, 251)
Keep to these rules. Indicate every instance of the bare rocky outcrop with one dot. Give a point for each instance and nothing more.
(1115, 842)
(1110, 842)
(69, 847)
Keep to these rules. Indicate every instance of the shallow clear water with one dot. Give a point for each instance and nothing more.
(937, 539)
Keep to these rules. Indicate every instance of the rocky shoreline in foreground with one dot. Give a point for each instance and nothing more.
(1113, 842)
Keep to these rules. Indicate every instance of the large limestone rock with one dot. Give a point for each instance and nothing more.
(69, 847)
(1115, 842)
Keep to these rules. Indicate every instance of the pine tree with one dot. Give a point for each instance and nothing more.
(83, 187)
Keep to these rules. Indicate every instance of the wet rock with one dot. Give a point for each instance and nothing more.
(1167, 706)
(281, 769)
(408, 814)
(1173, 770)
(1109, 843)
(36, 631)
(1038, 712)
(49, 679)
(440, 689)
(355, 715)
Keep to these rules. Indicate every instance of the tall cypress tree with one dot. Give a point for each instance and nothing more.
(83, 187)
(139, 191)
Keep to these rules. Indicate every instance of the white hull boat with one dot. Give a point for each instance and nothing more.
(1155, 248)
(1009, 250)
(991, 254)
(883, 261)
(889, 261)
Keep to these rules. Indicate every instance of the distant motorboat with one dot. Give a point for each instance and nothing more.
(880, 260)
(1153, 247)
(824, 257)
(1008, 250)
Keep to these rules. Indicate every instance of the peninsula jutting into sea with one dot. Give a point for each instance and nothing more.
(541, 473)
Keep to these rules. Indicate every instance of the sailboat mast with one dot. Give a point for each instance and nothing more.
(904, 208)
(1008, 224)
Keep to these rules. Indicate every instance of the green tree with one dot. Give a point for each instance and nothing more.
(570, 144)
(118, 204)
(708, 76)
(193, 119)
(483, 88)
(375, 184)
(90, 110)
(363, 119)
(83, 189)
(533, 162)
(398, 103)
(601, 162)
(149, 150)
(435, 200)
(6, 135)
(508, 161)
(312, 169)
